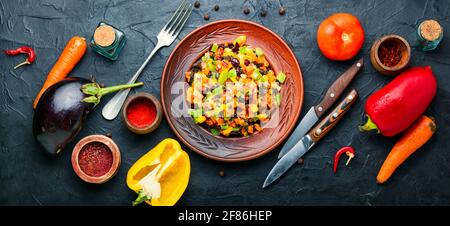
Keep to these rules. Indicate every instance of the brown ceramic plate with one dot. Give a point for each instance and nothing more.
(195, 136)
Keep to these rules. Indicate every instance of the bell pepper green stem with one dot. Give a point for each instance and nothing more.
(369, 126)
(141, 198)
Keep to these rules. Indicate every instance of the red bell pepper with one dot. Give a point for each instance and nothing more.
(396, 106)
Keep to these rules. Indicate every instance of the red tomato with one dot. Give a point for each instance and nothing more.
(340, 36)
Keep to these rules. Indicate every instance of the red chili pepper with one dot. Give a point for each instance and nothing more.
(396, 106)
(31, 55)
(349, 151)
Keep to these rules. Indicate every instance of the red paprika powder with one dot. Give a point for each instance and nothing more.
(141, 113)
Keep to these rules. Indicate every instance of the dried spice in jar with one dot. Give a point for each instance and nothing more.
(389, 54)
(430, 34)
(95, 159)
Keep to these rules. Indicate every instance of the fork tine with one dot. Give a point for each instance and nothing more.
(179, 17)
(173, 15)
(181, 23)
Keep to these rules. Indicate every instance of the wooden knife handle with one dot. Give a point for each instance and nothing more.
(334, 117)
(337, 88)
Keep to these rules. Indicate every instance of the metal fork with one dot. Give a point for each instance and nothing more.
(165, 37)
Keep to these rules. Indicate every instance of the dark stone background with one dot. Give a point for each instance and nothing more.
(28, 177)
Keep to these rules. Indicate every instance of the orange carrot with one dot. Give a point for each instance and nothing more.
(413, 138)
(71, 55)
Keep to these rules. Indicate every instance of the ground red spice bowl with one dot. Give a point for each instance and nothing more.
(142, 113)
(96, 159)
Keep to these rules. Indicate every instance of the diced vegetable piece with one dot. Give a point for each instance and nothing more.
(262, 116)
(217, 91)
(199, 119)
(262, 78)
(211, 66)
(240, 40)
(250, 129)
(188, 75)
(227, 131)
(224, 126)
(236, 129)
(228, 52)
(253, 107)
(281, 77)
(232, 74)
(259, 52)
(246, 51)
(195, 112)
(244, 132)
(258, 127)
(189, 94)
(256, 74)
(205, 57)
(278, 99)
(214, 47)
(209, 114)
(223, 77)
(215, 131)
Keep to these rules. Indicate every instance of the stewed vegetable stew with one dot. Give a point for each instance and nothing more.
(233, 90)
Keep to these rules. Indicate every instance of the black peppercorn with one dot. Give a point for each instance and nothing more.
(221, 173)
(300, 161)
(216, 7)
(197, 4)
(282, 11)
(263, 13)
(206, 16)
(109, 135)
(246, 10)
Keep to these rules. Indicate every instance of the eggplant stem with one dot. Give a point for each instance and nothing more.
(94, 92)
(112, 89)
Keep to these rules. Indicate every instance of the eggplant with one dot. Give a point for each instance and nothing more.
(63, 109)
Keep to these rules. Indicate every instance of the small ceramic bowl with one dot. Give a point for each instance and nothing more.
(91, 140)
(399, 42)
(151, 100)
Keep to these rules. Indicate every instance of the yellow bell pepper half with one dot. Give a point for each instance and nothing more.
(163, 173)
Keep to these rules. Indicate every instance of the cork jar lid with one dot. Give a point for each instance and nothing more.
(104, 35)
(430, 30)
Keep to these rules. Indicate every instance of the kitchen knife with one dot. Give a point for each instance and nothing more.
(315, 112)
(308, 141)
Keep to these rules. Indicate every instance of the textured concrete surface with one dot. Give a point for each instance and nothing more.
(28, 177)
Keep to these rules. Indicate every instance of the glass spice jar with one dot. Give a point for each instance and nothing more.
(430, 34)
(108, 41)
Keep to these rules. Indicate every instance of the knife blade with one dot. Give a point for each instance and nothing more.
(309, 140)
(314, 113)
